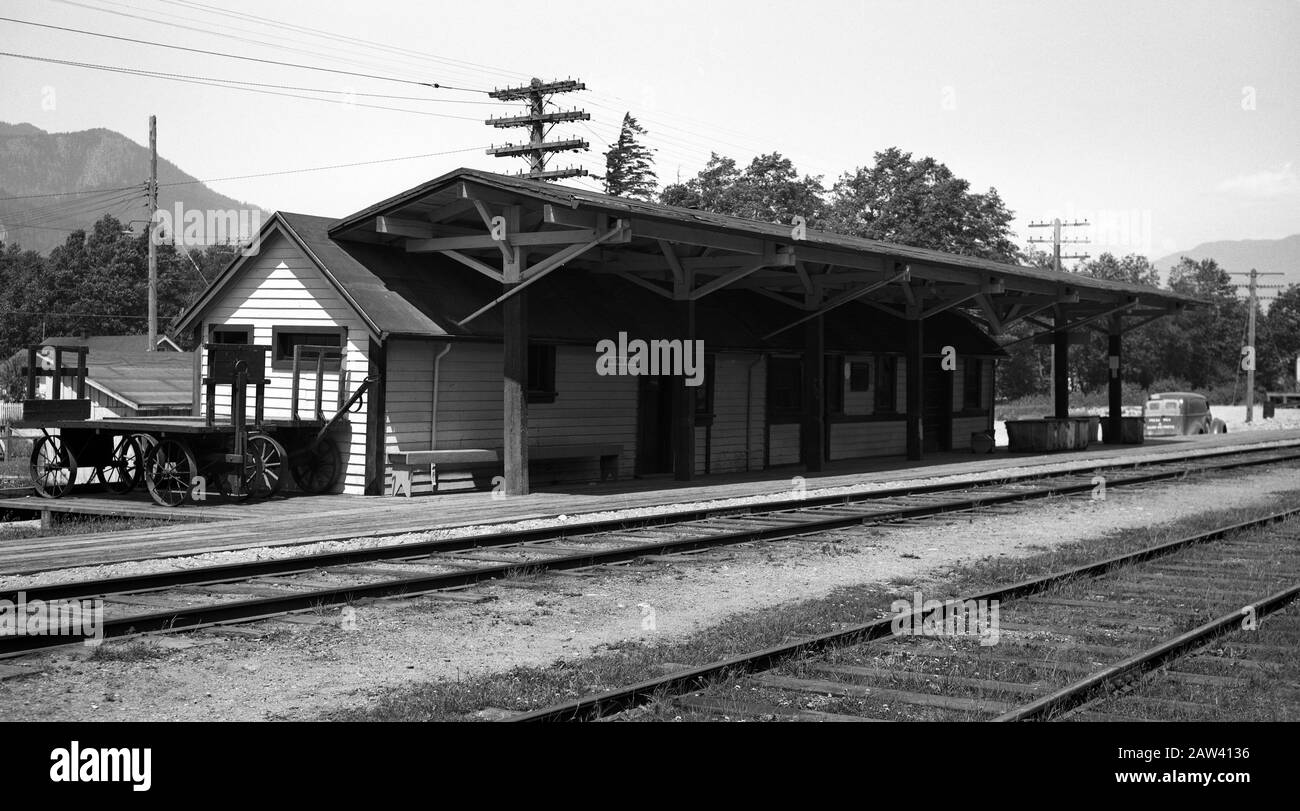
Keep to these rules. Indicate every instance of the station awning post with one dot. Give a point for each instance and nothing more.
(812, 432)
(514, 314)
(1061, 367)
(1115, 417)
(915, 370)
(683, 402)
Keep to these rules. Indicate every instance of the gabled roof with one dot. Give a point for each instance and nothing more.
(383, 309)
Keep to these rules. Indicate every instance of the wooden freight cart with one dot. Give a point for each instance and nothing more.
(184, 459)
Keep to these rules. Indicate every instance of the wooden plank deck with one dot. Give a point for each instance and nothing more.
(308, 519)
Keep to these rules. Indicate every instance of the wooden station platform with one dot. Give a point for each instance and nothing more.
(306, 519)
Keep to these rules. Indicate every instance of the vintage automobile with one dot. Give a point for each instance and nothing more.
(1180, 413)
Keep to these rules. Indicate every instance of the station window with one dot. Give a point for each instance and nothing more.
(972, 385)
(886, 384)
(836, 370)
(785, 388)
(230, 334)
(541, 373)
(859, 375)
(284, 339)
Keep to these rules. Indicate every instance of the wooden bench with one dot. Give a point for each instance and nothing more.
(417, 468)
(422, 469)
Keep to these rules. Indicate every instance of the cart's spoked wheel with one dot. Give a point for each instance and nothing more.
(264, 467)
(122, 473)
(316, 468)
(53, 468)
(169, 472)
(145, 443)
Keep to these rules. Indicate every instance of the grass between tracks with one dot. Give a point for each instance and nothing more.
(532, 687)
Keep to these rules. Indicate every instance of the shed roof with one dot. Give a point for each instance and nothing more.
(119, 366)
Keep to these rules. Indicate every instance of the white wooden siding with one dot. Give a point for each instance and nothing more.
(280, 287)
(589, 409)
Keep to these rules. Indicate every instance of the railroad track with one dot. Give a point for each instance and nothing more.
(188, 599)
(1065, 641)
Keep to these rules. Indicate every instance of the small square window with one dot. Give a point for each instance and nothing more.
(230, 334)
(284, 339)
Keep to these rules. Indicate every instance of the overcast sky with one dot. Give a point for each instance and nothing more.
(1167, 123)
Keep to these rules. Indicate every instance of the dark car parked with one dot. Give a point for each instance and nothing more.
(1180, 413)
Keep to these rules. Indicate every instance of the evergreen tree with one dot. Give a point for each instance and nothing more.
(629, 164)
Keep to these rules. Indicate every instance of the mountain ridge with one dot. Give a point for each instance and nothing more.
(34, 163)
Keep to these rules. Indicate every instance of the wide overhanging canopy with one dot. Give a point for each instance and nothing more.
(517, 232)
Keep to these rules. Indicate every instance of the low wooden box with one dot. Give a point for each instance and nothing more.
(37, 411)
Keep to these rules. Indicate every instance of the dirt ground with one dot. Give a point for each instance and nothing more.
(301, 669)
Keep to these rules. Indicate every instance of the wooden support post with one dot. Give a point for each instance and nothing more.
(81, 372)
(196, 389)
(56, 382)
(1115, 419)
(514, 313)
(684, 399)
(320, 385)
(293, 382)
(31, 373)
(343, 375)
(812, 433)
(1061, 367)
(915, 369)
(376, 439)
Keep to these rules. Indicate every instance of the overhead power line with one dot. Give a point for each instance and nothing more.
(240, 82)
(235, 86)
(434, 85)
(67, 193)
(140, 187)
(323, 168)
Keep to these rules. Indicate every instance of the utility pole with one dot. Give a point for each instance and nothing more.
(153, 247)
(1248, 351)
(1061, 349)
(536, 94)
(1056, 225)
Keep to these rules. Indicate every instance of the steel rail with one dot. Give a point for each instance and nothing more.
(609, 702)
(210, 575)
(245, 610)
(1098, 684)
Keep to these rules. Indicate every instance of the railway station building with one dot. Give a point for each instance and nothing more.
(518, 332)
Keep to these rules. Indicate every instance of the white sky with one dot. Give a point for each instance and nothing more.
(1130, 113)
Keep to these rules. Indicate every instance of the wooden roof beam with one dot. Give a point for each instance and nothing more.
(841, 300)
(619, 232)
(474, 264)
